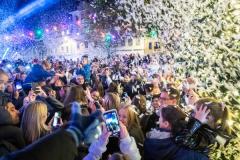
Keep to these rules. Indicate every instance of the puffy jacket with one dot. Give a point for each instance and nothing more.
(159, 145)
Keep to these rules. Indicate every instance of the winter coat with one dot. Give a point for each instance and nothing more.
(57, 146)
(200, 137)
(37, 74)
(11, 137)
(149, 122)
(162, 147)
(53, 105)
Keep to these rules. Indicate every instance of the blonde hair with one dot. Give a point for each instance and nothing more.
(111, 101)
(33, 121)
(132, 116)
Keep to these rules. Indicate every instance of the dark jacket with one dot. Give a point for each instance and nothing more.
(11, 137)
(37, 74)
(137, 134)
(57, 146)
(166, 149)
(200, 137)
(53, 105)
(149, 122)
(133, 88)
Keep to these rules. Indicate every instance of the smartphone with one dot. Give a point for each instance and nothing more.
(112, 122)
(18, 86)
(56, 119)
(35, 88)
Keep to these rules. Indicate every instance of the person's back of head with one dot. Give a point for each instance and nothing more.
(75, 93)
(111, 101)
(173, 118)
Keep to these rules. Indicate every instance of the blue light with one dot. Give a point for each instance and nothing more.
(9, 66)
(28, 67)
(27, 11)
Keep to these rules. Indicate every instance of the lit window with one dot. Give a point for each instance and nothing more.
(150, 45)
(157, 45)
(130, 42)
(123, 42)
(138, 41)
(86, 44)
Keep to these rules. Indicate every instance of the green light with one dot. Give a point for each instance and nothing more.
(153, 34)
(38, 33)
(108, 37)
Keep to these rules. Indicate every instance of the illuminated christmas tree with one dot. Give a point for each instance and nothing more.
(202, 36)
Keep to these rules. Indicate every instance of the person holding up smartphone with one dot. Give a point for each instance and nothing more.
(127, 145)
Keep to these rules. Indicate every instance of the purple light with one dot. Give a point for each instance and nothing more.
(55, 28)
(46, 30)
(31, 34)
(78, 22)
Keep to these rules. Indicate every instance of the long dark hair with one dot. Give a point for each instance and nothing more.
(175, 117)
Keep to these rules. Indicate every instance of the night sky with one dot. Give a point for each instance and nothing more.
(58, 12)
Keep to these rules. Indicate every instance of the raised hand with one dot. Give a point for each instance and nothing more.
(202, 113)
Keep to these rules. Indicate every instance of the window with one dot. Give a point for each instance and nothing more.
(157, 45)
(78, 46)
(130, 42)
(86, 44)
(138, 41)
(150, 45)
(67, 49)
(62, 48)
(123, 42)
(95, 44)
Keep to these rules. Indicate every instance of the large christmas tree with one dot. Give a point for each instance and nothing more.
(203, 36)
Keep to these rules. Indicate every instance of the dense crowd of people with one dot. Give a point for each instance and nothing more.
(52, 110)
